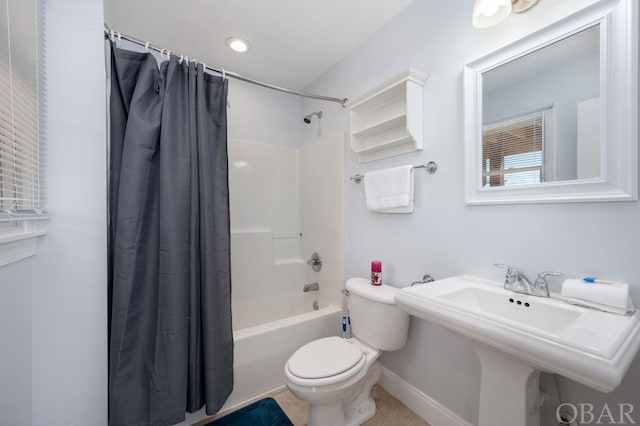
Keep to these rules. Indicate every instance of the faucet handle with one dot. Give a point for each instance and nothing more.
(541, 284)
(541, 280)
(553, 274)
(512, 273)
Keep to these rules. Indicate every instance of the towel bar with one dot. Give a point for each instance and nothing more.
(431, 167)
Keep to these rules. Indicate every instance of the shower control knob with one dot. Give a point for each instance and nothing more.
(315, 262)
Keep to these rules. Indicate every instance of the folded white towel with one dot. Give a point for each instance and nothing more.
(606, 297)
(390, 190)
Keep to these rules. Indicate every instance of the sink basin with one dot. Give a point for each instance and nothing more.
(517, 335)
(547, 317)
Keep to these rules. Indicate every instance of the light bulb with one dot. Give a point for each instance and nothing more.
(238, 44)
(489, 8)
(487, 13)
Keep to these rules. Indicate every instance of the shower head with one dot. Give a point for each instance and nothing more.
(307, 118)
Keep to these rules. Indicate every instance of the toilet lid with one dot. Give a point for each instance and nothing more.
(324, 358)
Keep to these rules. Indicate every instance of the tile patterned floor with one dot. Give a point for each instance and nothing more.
(389, 410)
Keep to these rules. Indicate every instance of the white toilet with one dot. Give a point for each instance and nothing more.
(335, 375)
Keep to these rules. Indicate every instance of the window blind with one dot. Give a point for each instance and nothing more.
(21, 116)
(519, 150)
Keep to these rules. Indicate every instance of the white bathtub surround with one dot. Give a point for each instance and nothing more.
(266, 259)
(284, 206)
(264, 290)
(263, 187)
(322, 210)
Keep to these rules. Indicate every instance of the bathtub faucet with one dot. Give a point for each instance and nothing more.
(311, 287)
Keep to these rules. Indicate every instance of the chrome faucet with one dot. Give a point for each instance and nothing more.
(516, 281)
(311, 287)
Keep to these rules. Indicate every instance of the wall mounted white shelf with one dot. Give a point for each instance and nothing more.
(387, 120)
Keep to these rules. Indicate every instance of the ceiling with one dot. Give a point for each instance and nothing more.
(293, 41)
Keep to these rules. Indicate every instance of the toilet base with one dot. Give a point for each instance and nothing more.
(365, 412)
(354, 410)
(327, 414)
(362, 407)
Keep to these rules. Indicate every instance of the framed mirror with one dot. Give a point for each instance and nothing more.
(553, 117)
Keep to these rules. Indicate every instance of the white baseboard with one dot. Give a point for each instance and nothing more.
(420, 403)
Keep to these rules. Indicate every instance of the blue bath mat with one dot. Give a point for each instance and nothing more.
(265, 412)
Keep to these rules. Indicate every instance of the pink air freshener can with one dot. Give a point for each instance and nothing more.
(376, 272)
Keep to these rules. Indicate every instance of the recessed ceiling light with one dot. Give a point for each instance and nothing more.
(238, 44)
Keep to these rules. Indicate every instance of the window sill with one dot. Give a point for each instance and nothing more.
(19, 240)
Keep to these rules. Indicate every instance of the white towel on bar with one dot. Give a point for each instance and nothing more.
(390, 190)
(612, 298)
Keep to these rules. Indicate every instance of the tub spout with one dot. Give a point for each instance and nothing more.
(311, 287)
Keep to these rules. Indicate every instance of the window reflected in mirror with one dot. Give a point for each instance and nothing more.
(520, 150)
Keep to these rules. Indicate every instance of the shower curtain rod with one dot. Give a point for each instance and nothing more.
(108, 33)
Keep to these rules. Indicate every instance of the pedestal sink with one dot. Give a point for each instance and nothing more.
(516, 336)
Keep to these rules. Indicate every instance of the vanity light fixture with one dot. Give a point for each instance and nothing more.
(238, 44)
(487, 13)
(519, 6)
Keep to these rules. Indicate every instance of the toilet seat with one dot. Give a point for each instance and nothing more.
(326, 361)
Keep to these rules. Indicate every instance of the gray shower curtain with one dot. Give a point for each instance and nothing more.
(171, 345)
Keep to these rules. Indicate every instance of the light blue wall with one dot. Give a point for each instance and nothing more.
(53, 329)
(446, 237)
(15, 341)
(69, 271)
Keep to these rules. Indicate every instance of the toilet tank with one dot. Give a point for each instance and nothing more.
(375, 318)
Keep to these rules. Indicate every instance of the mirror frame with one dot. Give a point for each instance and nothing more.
(618, 20)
